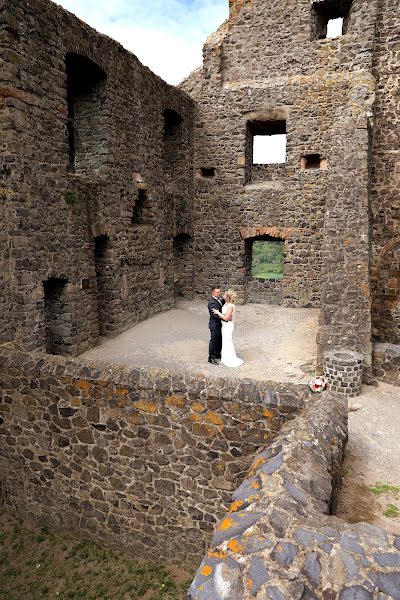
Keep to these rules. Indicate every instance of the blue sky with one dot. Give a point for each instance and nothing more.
(166, 35)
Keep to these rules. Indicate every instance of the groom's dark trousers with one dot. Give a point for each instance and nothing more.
(215, 325)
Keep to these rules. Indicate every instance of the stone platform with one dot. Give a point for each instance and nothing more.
(273, 341)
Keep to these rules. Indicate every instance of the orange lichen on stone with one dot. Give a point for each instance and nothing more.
(235, 547)
(145, 406)
(217, 554)
(177, 401)
(215, 419)
(225, 524)
(84, 385)
(206, 570)
(249, 583)
(135, 419)
(197, 407)
(235, 506)
(194, 418)
(260, 461)
(268, 413)
(255, 485)
(122, 392)
(204, 430)
(253, 498)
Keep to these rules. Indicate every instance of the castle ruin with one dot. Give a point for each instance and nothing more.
(120, 193)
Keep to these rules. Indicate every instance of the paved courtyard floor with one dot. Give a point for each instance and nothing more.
(273, 341)
(373, 456)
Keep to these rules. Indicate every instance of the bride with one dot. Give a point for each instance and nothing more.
(228, 354)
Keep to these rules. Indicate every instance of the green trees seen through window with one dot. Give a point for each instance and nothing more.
(267, 259)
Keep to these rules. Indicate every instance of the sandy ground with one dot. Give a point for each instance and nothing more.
(373, 456)
(272, 340)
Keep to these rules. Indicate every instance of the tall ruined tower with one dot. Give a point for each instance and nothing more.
(276, 70)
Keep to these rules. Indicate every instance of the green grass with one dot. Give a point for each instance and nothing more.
(266, 275)
(392, 511)
(40, 564)
(384, 488)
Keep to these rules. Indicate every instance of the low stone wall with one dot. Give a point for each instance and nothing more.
(139, 458)
(386, 363)
(278, 541)
(264, 291)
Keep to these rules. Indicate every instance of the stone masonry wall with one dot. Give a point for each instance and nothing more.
(51, 215)
(139, 458)
(265, 65)
(279, 542)
(385, 172)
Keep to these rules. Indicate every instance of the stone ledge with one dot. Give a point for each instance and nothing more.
(279, 542)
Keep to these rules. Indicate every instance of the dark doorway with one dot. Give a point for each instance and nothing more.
(182, 246)
(58, 317)
(103, 259)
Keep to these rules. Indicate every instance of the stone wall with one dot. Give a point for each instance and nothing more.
(386, 363)
(265, 65)
(260, 290)
(279, 542)
(83, 134)
(385, 171)
(139, 458)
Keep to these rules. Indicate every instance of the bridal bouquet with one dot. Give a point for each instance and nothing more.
(318, 384)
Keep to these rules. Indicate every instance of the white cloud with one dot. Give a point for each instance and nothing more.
(166, 35)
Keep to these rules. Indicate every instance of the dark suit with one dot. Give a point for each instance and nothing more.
(215, 326)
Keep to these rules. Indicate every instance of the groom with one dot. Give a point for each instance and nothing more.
(215, 325)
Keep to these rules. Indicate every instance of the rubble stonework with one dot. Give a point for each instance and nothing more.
(278, 542)
(78, 227)
(386, 363)
(142, 458)
(164, 185)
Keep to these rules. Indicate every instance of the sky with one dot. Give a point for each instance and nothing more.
(166, 35)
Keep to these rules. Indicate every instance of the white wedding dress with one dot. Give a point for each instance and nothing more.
(228, 354)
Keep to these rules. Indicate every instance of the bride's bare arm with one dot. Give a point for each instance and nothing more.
(227, 316)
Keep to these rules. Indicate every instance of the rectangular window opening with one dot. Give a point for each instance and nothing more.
(334, 28)
(207, 172)
(267, 258)
(330, 18)
(313, 161)
(269, 141)
(140, 212)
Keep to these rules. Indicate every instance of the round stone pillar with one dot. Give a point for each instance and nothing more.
(344, 370)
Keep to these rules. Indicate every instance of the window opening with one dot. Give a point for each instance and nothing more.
(267, 258)
(329, 18)
(85, 123)
(313, 161)
(207, 171)
(268, 142)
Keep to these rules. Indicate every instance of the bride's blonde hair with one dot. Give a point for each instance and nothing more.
(232, 296)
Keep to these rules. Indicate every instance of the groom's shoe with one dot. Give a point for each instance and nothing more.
(213, 361)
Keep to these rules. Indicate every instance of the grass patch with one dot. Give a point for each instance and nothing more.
(384, 488)
(37, 564)
(392, 511)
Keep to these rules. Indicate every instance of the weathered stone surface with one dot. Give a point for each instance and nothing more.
(145, 461)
